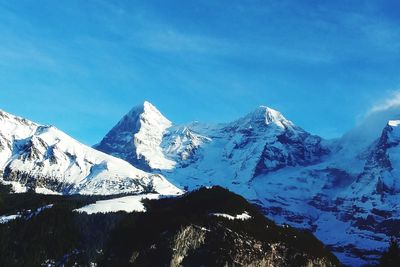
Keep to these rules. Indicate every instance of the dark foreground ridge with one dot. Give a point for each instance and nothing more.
(183, 231)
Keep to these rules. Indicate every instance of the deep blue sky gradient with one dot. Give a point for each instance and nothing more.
(81, 65)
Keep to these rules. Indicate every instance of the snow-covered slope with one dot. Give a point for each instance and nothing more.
(297, 178)
(45, 159)
(127, 204)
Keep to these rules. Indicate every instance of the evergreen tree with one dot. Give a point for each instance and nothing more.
(391, 258)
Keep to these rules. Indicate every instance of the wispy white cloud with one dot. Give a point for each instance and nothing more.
(391, 102)
(141, 28)
(369, 127)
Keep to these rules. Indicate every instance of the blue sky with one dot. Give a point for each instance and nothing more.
(81, 65)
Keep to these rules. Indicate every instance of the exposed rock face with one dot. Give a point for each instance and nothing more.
(298, 150)
(193, 243)
(188, 239)
(283, 144)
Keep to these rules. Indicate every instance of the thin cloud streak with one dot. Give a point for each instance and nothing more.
(393, 101)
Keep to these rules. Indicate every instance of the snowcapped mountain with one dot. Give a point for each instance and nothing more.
(349, 184)
(137, 138)
(282, 143)
(297, 177)
(261, 142)
(45, 159)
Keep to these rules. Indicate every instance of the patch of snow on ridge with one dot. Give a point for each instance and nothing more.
(127, 204)
(394, 123)
(7, 218)
(394, 133)
(163, 186)
(243, 217)
(16, 187)
(27, 215)
(45, 191)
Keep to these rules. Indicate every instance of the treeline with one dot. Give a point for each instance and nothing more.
(60, 237)
(391, 257)
(57, 235)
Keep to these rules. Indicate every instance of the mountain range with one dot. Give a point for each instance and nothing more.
(346, 191)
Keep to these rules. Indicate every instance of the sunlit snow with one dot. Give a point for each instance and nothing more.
(127, 204)
(243, 217)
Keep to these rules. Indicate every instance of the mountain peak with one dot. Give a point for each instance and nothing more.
(270, 115)
(145, 106)
(146, 110)
(264, 115)
(137, 138)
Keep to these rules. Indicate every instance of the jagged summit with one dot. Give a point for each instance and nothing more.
(269, 115)
(137, 138)
(146, 108)
(146, 112)
(261, 117)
